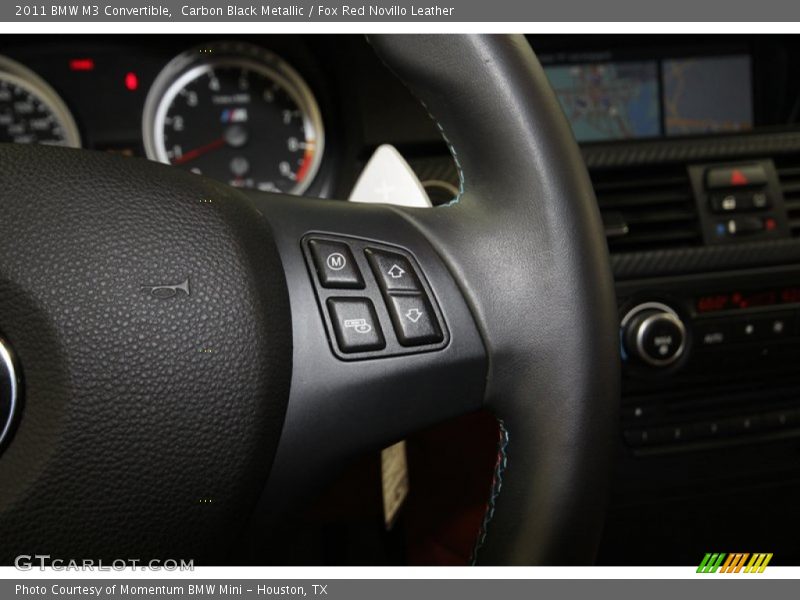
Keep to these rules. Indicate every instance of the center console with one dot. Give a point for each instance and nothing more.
(716, 327)
(693, 148)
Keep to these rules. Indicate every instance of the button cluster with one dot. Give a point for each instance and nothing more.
(361, 304)
(740, 199)
(758, 327)
(409, 308)
(711, 429)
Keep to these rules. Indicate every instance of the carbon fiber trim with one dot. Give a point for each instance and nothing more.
(710, 258)
(628, 154)
(441, 168)
(631, 154)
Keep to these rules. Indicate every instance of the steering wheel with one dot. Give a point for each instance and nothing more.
(189, 354)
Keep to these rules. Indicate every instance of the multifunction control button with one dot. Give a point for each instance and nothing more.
(375, 298)
(409, 308)
(393, 271)
(335, 265)
(356, 324)
(413, 320)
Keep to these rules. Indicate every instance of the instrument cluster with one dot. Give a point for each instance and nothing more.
(231, 110)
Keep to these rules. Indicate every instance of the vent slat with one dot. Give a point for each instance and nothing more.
(653, 210)
(672, 216)
(788, 169)
(787, 172)
(792, 205)
(642, 199)
(660, 238)
(790, 188)
(639, 184)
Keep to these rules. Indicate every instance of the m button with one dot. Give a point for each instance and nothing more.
(335, 265)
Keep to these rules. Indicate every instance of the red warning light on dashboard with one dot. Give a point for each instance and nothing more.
(81, 64)
(739, 178)
(131, 81)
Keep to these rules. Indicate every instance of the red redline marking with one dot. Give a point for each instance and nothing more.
(307, 159)
(192, 154)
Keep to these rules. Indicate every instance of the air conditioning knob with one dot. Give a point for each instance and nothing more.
(654, 334)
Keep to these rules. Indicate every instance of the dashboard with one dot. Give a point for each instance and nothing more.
(693, 147)
(295, 114)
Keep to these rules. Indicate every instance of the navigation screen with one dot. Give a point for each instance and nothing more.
(617, 100)
(707, 95)
(609, 101)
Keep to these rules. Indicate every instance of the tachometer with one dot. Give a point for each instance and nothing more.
(31, 112)
(237, 113)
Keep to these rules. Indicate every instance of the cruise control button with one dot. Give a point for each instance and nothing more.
(356, 324)
(414, 321)
(335, 265)
(393, 271)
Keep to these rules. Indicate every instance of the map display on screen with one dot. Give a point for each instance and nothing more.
(707, 95)
(618, 100)
(609, 101)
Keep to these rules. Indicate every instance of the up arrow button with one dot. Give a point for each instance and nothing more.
(393, 271)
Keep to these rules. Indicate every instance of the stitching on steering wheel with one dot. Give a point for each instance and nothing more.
(447, 141)
(452, 150)
(497, 486)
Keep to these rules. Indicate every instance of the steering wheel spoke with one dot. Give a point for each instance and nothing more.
(384, 342)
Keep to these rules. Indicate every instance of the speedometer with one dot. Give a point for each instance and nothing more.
(31, 112)
(237, 113)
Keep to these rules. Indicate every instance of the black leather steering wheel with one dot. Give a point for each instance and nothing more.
(170, 331)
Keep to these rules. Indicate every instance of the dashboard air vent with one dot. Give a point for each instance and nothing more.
(789, 176)
(647, 208)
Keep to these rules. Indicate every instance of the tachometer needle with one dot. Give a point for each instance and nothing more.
(192, 154)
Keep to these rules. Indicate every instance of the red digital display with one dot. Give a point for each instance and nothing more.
(743, 300)
(81, 64)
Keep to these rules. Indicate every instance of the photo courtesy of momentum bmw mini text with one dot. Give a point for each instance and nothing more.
(430, 299)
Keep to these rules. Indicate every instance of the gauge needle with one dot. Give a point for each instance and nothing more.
(192, 154)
